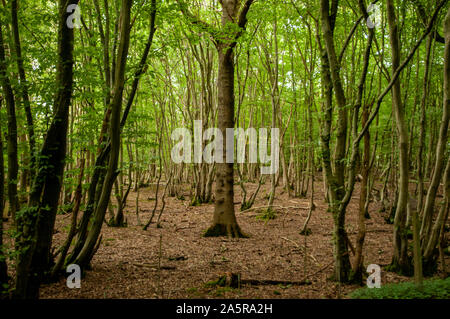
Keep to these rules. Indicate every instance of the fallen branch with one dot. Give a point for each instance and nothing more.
(275, 282)
(277, 206)
(155, 266)
(234, 280)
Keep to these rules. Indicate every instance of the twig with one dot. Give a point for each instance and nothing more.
(298, 246)
(277, 206)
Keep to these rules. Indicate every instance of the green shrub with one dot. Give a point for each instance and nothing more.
(432, 289)
(267, 215)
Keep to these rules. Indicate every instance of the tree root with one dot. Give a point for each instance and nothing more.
(230, 230)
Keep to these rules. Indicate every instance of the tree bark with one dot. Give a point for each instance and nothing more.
(23, 86)
(13, 165)
(224, 220)
(87, 251)
(102, 157)
(358, 268)
(400, 262)
(37, 222)
(3, 265)
(429, 235)
(336, 183)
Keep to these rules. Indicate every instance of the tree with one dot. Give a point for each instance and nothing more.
(36, 222)
(400, 260)
(13, 165)
(233, 22)
(86, 253)
(429, 234)
(23, 85)
(3, 265)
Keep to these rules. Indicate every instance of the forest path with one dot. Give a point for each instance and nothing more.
(126, 264)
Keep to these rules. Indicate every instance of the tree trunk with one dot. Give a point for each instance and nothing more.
(37, 223)
(358, 268)
(400, 262)
(3, 265)
(23, 85)
(224, 220)
(429, 235)
(88, 249)
(337, 182)
(104, 150)
(13, 165)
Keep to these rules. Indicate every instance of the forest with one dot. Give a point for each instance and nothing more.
(240, 149)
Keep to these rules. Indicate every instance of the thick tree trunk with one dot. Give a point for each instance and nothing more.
(37, 223)
(224, 220)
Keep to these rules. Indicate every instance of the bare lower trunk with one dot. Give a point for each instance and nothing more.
(224, 221)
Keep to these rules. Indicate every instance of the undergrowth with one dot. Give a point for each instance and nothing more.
(432, 289)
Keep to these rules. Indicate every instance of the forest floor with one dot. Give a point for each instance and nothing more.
(126, 264)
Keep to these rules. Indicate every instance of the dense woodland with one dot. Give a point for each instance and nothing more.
(360, 93)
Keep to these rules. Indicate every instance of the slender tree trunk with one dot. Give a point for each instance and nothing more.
(13, 165)
(88, 249)
(358, 268)
(97, 179)
(422, 133)
(428, 235)
(23, 85)
(3, 265)
(336, 185)
(400, 262)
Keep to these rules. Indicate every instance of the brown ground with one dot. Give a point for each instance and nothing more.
(126, 265)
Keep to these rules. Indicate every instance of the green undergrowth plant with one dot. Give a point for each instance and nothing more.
(432, 289)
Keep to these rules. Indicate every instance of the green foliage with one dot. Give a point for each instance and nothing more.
(447, 251)
(219, 292)
(432, 289)
(246, 205)
(267, 215)
(220, 287)
(306, 232)
(221, 282)
(196, 202)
